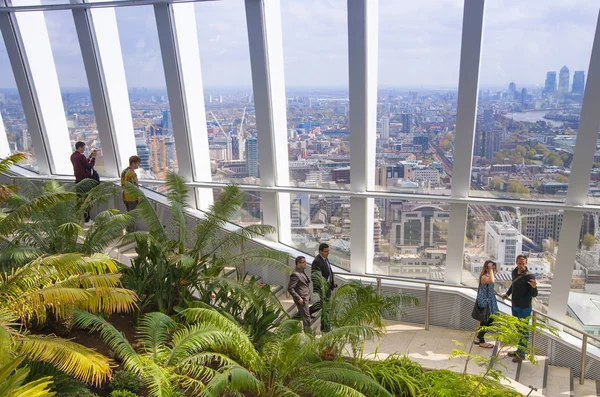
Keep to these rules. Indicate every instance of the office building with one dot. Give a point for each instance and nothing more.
(406, 122)
(385, 127)
(503, 242)
(563, 80)
(550, 85)
(252, 157)
(578, 82)
(491, 141)
(421, 226)
(143, 153)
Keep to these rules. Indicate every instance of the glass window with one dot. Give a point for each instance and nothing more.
(11, 110)
(229, 100)
(411, 238)
(320, 219)
(530, 97)
(583, 310)
(502, 233)
(147, 91)
(416, 112)
(315, 47)
(251, 211)
(74, 88)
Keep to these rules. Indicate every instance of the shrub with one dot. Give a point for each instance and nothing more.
(125, 380)
(80, 391)
(398, 374)
(122, 393)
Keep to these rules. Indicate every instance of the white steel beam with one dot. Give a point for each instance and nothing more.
(468, 82)
(579, 181)
(4, 147)
(266, 58)
(181, 60)
(466, 114)
(20, 67)
(37, 55)
(363, 21)
(94, 72)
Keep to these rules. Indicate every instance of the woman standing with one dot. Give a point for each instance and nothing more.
(486, 298)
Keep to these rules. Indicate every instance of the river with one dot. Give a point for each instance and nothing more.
(532, 117)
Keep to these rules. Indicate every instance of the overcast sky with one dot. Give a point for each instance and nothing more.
(419, 43)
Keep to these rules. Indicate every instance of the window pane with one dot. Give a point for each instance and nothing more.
(411, 238)
(320, 219)
(227, 79)
(72, 79)
(583, 309)
(416, 111)
(502, 233)
(529, 109)
(315, 47)
(251, 211)
(147, 91)
(11, 109)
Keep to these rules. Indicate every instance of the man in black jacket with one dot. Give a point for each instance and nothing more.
(523, 290)
(321, 266)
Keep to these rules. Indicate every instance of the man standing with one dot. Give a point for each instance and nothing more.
(82, 168)
(322, 266)
(523, 290)
(129, 176)
(299, 288)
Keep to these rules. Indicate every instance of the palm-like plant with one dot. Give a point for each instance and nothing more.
(13, 381)
(213, 356)
(356, 304)
(6, 191)
(47, 221)
(57, 285)
(191, 261)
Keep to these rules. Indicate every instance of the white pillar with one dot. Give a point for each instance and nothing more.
(266, 58)
(363, 21)
(466, 114)
(178, 38)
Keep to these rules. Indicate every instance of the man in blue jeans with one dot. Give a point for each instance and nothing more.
(523, 290)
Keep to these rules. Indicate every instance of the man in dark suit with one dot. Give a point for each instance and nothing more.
(321, 266)
(299, 288)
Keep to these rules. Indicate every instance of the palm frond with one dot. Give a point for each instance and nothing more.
(146, 210)
(11, 160)
(230, 200)
(153, 332)
(107, 227)
(72, 358)
(95, 193)
(232, 379)
(13, 381)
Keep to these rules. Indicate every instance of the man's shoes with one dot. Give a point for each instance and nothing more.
(513, 354)
(517, 359)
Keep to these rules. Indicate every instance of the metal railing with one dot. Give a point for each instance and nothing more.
(378, 280)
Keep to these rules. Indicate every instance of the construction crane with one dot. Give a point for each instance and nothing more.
(219, 124)
(155, 146)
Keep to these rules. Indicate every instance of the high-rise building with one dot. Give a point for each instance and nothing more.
(503, 242)
(563, 80)
(524, 96)
(422, 226)
(550, 85)
(406, 122)
(385, 127)
(541, 224)
(143, 153)
(512, 90)
(578, 82)
(252, 156)
(300, 210)
(491, 141)
(477, 144)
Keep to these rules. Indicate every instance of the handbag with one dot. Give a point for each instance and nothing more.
(480, 313)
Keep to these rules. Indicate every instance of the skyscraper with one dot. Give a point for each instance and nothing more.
(491, 141)
(406, 122)
(524, 96)
(550, 85)
(563, 80)
(385, 127)
(252, 156)
(143, 153)
(512, 89)
(578, 82)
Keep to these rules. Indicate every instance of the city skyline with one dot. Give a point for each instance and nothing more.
(315, 50)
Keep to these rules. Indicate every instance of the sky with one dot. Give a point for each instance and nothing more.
(419, 43)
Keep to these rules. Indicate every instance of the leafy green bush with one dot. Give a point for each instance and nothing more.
(80, 391)
(122, 393)
(445, 383)
(398, 374)
(125, 380)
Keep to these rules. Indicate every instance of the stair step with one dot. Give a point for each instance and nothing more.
(588, 389)
(558, 381)
(532, 374)
(511, 369)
